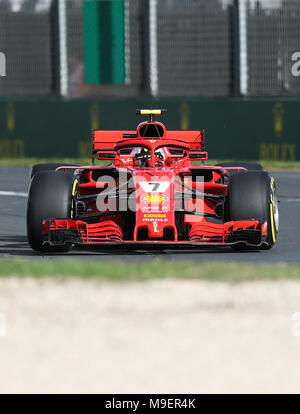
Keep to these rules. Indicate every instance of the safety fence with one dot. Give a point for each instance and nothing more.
(160, 48)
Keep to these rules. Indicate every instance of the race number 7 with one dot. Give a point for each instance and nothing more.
(154, 186)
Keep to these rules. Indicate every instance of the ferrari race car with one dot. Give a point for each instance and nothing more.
(151, 189)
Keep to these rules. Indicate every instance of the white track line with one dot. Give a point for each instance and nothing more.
(289, 198)
(12, 194)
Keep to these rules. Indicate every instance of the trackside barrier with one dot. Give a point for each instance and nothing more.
(236, 128)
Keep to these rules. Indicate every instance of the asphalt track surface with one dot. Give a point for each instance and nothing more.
(14, 183)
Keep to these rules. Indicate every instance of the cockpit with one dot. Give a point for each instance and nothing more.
(143, 156)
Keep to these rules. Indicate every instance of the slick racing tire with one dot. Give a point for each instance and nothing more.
(51, 195)
(250, 166)
(252, 195)
(47, 167)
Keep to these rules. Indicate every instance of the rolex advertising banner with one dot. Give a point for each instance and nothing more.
(236, 128)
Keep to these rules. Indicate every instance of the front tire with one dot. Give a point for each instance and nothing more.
(252, 195)
(50, 196)
(37, 168)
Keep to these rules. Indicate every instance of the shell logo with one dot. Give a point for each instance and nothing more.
(154, 198)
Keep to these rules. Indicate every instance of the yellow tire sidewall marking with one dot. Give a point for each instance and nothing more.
(73, 194)
(272, 211)
(272, 223)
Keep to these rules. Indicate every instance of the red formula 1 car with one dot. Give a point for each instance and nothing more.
(154, 191)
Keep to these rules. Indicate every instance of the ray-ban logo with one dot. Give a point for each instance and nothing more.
(2, 64)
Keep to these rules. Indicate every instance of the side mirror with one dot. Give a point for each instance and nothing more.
(196, 155)
(106, 155)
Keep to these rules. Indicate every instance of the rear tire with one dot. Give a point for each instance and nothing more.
(47, 167)
(252, 195)
(50, 196)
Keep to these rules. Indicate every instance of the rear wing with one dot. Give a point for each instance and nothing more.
(106, 140)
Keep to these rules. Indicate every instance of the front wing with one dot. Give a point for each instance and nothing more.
(76, 232)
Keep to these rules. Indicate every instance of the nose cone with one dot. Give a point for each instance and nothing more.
(155, 217)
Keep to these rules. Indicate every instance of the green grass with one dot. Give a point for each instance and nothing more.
(268, 165)
(29, 162)
(152, 269)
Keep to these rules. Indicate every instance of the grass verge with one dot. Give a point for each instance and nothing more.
(29, 162)
(140, 271)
